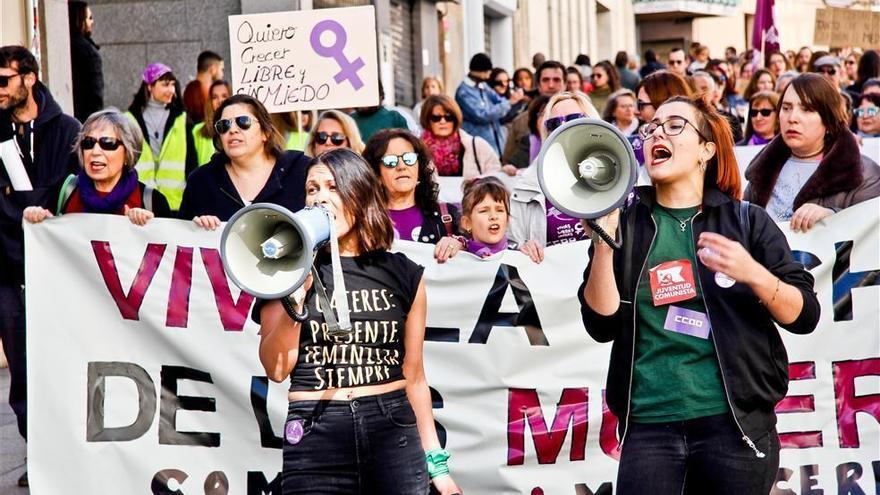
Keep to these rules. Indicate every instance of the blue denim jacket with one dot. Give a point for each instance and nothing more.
(482, 110)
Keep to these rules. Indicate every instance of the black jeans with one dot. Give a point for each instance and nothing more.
(704, 455)
(369, 445)
(13, 336)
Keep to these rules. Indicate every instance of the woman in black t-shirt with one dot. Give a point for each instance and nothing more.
(360, 417)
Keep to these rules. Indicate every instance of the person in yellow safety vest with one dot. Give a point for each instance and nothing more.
(294, 137)
(168, 153)
(203, 133)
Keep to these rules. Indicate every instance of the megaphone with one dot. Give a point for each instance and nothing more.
(587, 169)
(267, 250)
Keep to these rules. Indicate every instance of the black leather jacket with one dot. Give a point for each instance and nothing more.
(750, 352)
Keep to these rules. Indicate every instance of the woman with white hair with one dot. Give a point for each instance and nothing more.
(534, 222)
(109, 146)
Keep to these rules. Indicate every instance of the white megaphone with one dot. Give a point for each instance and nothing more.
(587, 169)
(268, 251)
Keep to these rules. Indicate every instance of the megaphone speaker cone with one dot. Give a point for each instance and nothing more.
(587, 168)
(267, 250)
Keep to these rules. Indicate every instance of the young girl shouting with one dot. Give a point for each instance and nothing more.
(485, 214)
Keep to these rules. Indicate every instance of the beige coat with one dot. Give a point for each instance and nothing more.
(479, 156)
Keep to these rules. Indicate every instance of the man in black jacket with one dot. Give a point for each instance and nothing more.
(34, 125)
(85, 62)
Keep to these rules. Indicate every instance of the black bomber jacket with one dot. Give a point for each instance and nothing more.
(751, 355)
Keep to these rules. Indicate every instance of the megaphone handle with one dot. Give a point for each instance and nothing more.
(604, 235)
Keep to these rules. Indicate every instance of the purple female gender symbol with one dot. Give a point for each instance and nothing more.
(348, 70)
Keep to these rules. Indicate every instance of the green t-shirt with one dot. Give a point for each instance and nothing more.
(375, 122)
(676, 375)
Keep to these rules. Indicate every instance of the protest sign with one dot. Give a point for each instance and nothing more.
(306, 60)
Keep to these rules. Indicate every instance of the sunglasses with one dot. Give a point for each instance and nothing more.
(409, 158)
(552, 124)
(243, 122)
(106, 143)
(850, 62)
(445, 117)
(672, 127)
(500, 83)
(4, 80)
(866, 112)
(676, 62)
(336, 138)
(596, 75)
(765, 112)
(830, 71)
(642, 104)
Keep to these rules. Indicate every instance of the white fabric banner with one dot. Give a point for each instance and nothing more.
(144, 375)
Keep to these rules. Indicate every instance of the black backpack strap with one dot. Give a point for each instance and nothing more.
(446, 218)
(745, 222)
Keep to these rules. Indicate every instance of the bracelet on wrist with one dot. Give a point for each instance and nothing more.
(436, 460)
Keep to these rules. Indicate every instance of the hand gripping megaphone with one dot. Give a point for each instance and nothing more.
(268, 251)
(587, 169)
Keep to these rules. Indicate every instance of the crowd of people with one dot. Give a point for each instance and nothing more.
(203, 154)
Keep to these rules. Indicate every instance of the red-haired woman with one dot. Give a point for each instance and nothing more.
(697, 364)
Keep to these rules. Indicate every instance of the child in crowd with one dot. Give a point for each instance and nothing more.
(485, 208)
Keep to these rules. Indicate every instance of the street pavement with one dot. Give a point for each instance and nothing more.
(12, 447)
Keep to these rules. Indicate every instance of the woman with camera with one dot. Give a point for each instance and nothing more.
(353, 427)
(691, 303)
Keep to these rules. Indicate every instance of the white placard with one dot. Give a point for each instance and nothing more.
(306, 60)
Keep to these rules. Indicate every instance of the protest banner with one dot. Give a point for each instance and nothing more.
(306, 60)
(144, 375)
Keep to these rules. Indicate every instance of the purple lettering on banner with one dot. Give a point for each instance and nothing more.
(348, 69)
(687, 322)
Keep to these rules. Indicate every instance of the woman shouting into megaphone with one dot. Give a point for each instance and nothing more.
(359, 417)
(691, 303)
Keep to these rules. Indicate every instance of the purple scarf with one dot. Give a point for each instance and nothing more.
(112, 202)
(757, 140)
(484, 250)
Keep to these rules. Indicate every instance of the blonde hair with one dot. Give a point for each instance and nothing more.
(581, 99)
(349, 128)
(428, 80)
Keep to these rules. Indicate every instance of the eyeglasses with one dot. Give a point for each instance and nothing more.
(106, 143)
(409, 158)
(672, 127)
(448, 117)
(826, 70)
(336, 138)
(642, 104)
(552, 124)
(765, 112)
(866, 112)
(4, 80)
(243, 122)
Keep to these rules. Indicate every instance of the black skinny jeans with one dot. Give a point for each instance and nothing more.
(369, 445)
(698, 456)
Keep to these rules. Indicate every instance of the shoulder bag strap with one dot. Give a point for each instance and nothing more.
(148, 197)
(66, 192)
(446, 217)
(476, 158)
(745, 222)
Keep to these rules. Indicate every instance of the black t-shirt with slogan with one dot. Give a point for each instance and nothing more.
(381, 288)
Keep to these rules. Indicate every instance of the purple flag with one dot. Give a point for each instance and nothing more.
(765, 37)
